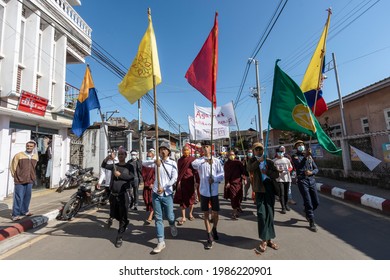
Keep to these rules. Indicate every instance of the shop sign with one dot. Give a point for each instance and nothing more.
(32, 103)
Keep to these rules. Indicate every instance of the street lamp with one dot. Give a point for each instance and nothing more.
(112, 113)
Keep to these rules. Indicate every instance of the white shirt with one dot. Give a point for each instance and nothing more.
(166, 181)
(203, 167)
(285, 165)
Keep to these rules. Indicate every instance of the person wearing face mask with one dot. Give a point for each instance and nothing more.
(264, 174)
(284, 167)
(137, 165)
(306, 168)
(23, 171)
(148, 176)
(162, 196)
(186, 184)
(211, 174)
(247, 183)
(234, 175)
(121, 178)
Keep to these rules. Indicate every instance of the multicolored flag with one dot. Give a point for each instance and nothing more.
(312, 81)
(202, 74)
(289, 111)
(139, 79)
(86, 101)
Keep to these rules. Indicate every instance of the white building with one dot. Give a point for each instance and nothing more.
(38, 38)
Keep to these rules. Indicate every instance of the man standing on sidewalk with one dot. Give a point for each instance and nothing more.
(162, 196)
(306, 168)
(208, 188)
(23, 170)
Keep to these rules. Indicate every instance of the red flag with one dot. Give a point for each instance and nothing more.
(202, 74)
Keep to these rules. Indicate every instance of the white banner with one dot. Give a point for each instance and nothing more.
(199, 131)
(370, 161)
(223, 116)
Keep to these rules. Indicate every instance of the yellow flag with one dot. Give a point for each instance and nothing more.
(311, 80)
(139, 79)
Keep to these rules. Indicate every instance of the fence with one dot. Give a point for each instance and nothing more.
(375, 144)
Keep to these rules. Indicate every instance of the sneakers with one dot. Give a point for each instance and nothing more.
(215, 234)
(173, 230)
(208, 245)
(159, 248)
(288, 207)
(28, 214)
(313, 226)
(283, 211)
(118, 242)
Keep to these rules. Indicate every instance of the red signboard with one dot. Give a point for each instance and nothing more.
(32, 103)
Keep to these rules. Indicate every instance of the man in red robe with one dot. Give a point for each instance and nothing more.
(186, 183)
(148, 177)
(234, 174)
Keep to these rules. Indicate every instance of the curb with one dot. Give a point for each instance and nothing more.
(31, 223)
(375, 202)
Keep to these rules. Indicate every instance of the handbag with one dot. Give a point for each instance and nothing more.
(174, 186)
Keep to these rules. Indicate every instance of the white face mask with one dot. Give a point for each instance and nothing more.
(133, 157)
(301, 148)
(250, 154)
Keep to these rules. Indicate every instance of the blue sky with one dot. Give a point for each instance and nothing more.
(361, 45)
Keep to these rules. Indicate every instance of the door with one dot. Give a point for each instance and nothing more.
(19, 139)
(57, 160)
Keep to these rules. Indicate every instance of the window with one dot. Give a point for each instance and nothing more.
(387, 118)
(21, 43)
(39, 52)
(1, 25)
(335, 130)
(365, 125)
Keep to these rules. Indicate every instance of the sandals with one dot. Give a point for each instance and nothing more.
(191, 218)
(273, 245)
(262, 247)
(181, 222)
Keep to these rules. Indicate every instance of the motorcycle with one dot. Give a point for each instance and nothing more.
(74, 177)
(84, 198)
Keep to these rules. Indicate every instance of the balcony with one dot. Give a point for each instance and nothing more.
(71, 94)
(72, 15)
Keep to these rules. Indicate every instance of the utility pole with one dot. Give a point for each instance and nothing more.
(258, 98)
(344, 142)
(256, 127)
(141, 154)
(179, 140)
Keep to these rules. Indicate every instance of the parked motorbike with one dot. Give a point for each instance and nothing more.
(74, 177)
(84, 198)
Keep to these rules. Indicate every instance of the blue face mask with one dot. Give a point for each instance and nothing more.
(250, 154)
(148, 158)
(280, 154)
(301, 148)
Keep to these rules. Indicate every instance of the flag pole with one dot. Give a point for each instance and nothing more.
(104, 128)
(211, 139)
(159, 189)
(322, 61)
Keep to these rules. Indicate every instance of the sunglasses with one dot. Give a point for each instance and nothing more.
(258, 149)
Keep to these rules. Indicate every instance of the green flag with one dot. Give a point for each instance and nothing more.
(289, 111)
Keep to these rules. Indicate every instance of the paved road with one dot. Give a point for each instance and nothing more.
(345, 232)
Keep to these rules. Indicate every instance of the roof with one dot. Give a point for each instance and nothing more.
(362, 92)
